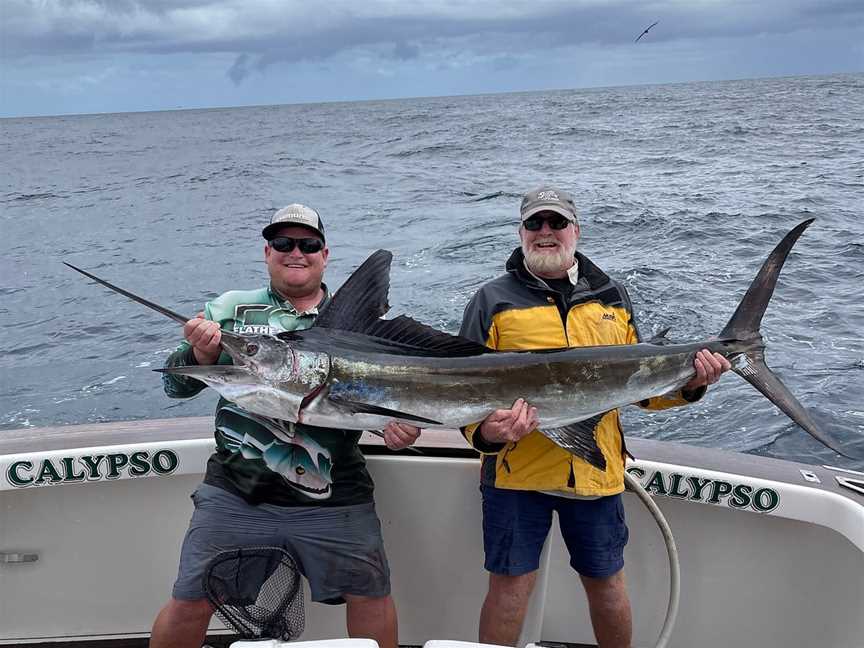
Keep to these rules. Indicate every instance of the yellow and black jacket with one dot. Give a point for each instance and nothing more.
(519, 311)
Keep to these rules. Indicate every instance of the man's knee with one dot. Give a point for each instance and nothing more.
(609, 591)
(512, 591)
(369, 602)
(189, 611)
(181, 623)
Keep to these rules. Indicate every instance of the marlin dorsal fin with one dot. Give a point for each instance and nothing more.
(357, 307)
(412, 334)
(362, 299)
(401, 336)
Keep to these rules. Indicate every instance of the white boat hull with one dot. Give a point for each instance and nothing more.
(771, 564)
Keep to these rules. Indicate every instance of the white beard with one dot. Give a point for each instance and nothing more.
(545, 263)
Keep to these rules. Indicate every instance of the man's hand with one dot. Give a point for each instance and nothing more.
(709, 367)
(400, 435)
(204, 336)
(512, 424)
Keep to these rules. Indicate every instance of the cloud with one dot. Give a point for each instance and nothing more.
(240, 69)
(405, 52)
(261, 33)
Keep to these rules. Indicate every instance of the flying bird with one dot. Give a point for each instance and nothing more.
(645, 32)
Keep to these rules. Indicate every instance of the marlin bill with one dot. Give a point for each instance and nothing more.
(355, 370)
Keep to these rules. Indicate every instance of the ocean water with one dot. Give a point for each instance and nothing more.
(683, 191)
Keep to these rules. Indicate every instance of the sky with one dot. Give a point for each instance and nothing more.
(92, 56)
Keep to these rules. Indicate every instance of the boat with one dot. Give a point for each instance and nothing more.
(771, 552)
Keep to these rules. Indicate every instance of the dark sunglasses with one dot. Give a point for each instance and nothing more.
(287, 244)
(535, 223)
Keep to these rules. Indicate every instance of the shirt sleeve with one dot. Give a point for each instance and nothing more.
(177, 386)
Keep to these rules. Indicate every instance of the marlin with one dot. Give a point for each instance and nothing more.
(356, 370)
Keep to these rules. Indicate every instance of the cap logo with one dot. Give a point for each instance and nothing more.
(547, 195)
(296, 215)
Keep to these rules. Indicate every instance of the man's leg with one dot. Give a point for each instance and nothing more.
(221, 521)
(504, 609)
(181, 624)
(610, 610)
(372, 618)
(595, 533)
(515, 526)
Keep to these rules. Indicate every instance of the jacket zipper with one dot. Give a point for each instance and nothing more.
(504, 457)
(563, 311)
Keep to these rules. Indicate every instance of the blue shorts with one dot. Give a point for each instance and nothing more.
(516, 523)
(339, 549)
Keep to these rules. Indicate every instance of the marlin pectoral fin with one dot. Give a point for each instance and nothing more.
(365, 408)
(578, 439)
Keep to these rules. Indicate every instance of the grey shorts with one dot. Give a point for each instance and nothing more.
(339, 549)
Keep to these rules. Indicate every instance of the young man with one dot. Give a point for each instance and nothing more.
(552, 297)
(309, 492)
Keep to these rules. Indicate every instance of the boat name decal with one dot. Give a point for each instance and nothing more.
(710, 491)
(66, 470)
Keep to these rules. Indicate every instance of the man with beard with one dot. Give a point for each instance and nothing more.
(554, 297)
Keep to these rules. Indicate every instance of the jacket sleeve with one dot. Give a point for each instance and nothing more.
(478, 327)
(183, 386)
(672, 399)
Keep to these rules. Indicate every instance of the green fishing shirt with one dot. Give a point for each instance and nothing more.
(296, 465)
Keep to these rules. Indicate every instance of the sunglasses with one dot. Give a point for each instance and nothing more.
(287, 244)
(535, 223)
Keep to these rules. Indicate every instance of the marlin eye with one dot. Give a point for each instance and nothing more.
(251, 349)
(300, 470)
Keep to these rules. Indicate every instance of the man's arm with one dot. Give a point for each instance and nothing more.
(400, 435)
(201, 346)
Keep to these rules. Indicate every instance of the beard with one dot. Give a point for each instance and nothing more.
(549, 263)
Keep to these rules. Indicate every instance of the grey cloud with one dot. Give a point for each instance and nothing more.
(404, 51)
(240, 69)
(261, 34)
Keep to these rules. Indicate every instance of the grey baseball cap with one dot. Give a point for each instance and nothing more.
(294, 214)
(548, 199)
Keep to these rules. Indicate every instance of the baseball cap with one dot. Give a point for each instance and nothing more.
(294, 214)
(548, 199)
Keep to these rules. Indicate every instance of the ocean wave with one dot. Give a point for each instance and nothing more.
(681, 198)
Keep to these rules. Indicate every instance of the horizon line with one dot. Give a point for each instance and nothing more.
(408, 98)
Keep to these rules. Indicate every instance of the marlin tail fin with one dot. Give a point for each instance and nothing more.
(744, 327)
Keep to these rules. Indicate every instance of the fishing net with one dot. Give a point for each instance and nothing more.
(258, 592)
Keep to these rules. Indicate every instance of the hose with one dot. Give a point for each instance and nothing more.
(671, 550)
